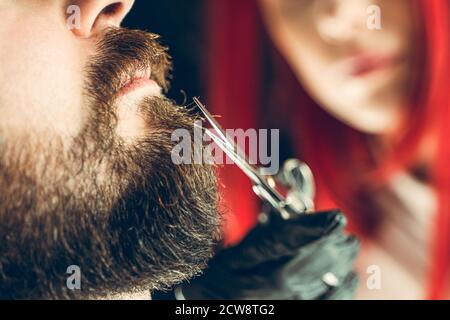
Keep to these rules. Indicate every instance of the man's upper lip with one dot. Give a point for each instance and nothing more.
(364, 63)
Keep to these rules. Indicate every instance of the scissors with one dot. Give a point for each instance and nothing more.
(295, 175)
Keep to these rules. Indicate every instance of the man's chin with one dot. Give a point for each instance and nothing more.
(142, 245)
(150, 225)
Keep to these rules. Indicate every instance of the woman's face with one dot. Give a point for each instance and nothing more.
(354, 57)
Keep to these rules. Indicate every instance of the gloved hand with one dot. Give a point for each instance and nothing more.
(307, 257)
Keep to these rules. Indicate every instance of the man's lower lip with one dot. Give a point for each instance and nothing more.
(139, 83)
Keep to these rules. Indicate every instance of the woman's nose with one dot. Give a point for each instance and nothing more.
(341, 20)
(97, 15)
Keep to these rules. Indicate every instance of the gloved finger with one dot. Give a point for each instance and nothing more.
(313, 262)
(266, 243)
(301, 277)
(305, 274)
(286, 278)
(346, 291)
(265, 253)
(221, 282)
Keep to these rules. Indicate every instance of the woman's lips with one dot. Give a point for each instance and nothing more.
(364, 64)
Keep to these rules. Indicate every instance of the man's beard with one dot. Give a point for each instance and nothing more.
(122, 212)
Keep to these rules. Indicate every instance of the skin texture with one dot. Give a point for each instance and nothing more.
(318, 37)
(86, 175)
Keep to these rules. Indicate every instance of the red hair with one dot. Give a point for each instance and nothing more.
(339, 155)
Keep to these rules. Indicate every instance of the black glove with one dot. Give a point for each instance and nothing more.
(308, 257)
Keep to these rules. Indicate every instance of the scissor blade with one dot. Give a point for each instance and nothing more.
(240, 162)
(212, 121)
(221, 132)
(260, 186)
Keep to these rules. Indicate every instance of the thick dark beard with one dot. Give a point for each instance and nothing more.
(124, 213)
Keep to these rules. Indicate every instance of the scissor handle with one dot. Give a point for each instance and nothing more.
(261, 186)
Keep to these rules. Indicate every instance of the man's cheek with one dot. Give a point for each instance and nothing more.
(44, 82)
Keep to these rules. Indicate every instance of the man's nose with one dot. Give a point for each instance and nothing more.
(340, 20)
(97, 15)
